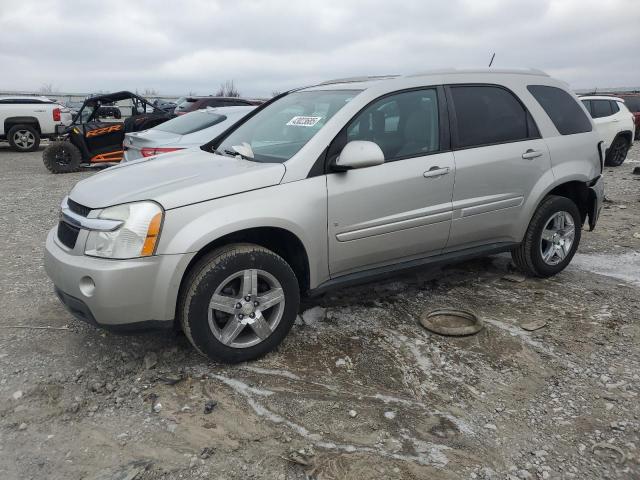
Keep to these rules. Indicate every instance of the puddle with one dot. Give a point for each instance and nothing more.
(624, 267)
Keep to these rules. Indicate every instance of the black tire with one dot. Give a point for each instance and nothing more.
(208, 274)
(23, 138)
(617, 152)
(528, 255)
(62, 157)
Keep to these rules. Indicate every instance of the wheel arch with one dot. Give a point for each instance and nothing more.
(279, 240)
(576, 191)
(626, 134)
(11, 122)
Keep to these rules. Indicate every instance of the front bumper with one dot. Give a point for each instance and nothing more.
(596, 198)
(127, 293)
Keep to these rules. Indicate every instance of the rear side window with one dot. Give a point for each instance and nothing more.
(600, 108)
(487, 115)
(562, 108)
(191, 122)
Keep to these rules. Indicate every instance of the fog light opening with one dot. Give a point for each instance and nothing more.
(87, 286)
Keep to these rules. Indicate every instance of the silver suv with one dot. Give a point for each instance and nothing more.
(325, 186)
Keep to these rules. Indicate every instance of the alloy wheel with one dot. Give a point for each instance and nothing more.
(246, 308)
(24, 139)
(557, 238)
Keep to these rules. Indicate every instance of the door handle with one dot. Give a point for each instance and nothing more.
(531, 154)
(436, 171)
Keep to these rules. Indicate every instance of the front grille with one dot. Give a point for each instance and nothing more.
(67, 234)
(77, 208)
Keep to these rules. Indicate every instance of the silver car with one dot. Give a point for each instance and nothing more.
(326, 186)
(186, 131)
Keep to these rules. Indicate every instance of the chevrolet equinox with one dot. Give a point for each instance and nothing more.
(324, 186)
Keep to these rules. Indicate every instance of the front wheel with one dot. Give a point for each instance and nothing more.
(617, 153)
(552, 238)
(238, 303)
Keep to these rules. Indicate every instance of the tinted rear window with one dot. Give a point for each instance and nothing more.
(488, 115)
(600, 108)
(562, 108)
(191, 122)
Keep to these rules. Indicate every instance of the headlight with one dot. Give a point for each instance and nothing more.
(137, 237)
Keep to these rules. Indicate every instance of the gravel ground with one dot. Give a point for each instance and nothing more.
(358, 389)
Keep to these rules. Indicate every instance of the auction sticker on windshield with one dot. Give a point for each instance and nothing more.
(300, 121)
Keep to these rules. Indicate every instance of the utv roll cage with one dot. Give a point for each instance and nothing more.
(111, 98)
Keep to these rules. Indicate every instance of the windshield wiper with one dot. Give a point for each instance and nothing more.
(222, 153)
(233, 153)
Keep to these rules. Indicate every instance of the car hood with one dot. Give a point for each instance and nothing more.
(176, 179)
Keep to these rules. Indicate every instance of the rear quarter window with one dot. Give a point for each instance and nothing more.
(562, 109)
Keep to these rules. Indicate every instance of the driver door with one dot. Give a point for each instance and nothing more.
(401, 209)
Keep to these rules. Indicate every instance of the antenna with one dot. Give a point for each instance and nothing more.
(492, 57)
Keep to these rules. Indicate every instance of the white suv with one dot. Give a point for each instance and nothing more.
(25, 120)
(614, 123)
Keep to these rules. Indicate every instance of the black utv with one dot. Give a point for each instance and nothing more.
(93, 138)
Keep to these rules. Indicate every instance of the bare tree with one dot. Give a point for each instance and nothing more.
(227, 89)
(192, 93)
(150, 92)
(47, 88)
(275, 93)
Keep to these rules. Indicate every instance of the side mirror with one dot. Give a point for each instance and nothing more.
(358, 154)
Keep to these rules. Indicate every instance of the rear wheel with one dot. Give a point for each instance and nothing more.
(617, 152)
(238, 303)
(552, 238)
(62, 157)
(24, 138)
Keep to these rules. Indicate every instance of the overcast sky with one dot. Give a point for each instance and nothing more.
(177, 47)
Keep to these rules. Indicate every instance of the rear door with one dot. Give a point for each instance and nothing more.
(401, 209)
(499, 157)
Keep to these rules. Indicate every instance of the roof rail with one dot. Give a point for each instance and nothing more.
(449, 71)
(358, 79)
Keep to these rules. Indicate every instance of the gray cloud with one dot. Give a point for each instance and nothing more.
(175, 47)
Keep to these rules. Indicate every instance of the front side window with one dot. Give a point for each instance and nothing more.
(191, 122)
(487, 115)
(600, 108)
(562, 108)
(277, 132)
(587, 105)
(403, 125)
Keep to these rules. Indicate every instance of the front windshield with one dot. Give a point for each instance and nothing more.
(280, 130)
(85, 113)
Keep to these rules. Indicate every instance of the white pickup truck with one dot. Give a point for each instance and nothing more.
(25, 120)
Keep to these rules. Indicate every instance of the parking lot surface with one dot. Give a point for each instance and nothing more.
(358, 390)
